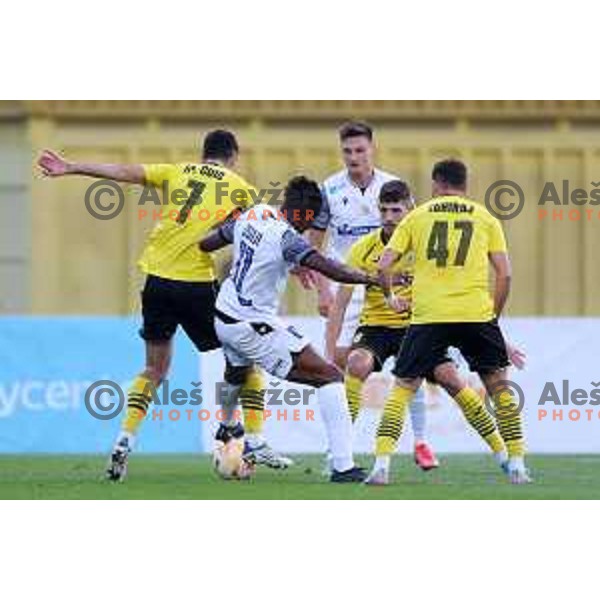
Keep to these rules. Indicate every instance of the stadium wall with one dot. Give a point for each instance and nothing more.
(48, 364)
(15, 224)
(57, 259)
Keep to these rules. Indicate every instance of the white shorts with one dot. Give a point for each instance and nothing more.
(351, 318)
(268, 346)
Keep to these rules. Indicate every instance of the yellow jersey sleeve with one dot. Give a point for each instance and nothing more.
(497, 238)
(157, 174)
(401, 240)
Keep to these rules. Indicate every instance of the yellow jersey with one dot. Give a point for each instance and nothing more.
(451, 238)
(364, 255)
(195, 197)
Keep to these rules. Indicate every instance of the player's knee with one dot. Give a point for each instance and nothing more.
(448, 377)
(360, 364)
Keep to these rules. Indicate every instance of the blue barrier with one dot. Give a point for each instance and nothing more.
(46, 366)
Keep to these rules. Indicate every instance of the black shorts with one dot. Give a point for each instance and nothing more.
(167, 303)
(426, 346)
(381, 342)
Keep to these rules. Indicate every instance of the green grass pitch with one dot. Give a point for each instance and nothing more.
(191, 477)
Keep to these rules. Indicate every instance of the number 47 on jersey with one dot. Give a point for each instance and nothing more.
(437, 246)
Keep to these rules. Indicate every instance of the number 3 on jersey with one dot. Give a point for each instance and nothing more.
(437, 247)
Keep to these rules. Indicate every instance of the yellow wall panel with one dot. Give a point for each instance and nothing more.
(80, 265)
(404, 163)
(591, 238)
(562, 240)
(524, 233)
(15, 208)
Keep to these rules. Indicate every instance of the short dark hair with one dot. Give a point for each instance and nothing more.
(356, 129)
(303, 194)
(220, 144)
(394, 191)
(451, 171)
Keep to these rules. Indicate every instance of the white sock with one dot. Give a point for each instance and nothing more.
(501, 457)
(125, 436)
(517, 463)
(338, 425)
(382, 462)
(418, 415)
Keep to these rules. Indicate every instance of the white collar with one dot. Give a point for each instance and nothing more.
(351, 182)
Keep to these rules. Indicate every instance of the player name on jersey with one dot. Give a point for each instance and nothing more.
(451, 207)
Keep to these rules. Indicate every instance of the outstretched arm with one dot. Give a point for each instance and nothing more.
(332, 269)
(54, 165)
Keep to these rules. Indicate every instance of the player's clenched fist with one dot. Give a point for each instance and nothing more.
(53, 165)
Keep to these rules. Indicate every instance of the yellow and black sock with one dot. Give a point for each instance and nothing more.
(510, 423)
(479, 418)
(353, 394)
(252, 399)
(139, 398)
(392, 422)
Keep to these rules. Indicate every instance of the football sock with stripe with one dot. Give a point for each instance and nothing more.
(139, 397)
(479, 418)
(252, 399)
(353, 393)
(510, 423)
(392, 422)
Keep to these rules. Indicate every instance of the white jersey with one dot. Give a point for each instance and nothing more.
(348, 212)
(265, 247)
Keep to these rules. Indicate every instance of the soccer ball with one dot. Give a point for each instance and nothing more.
(228, 460)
